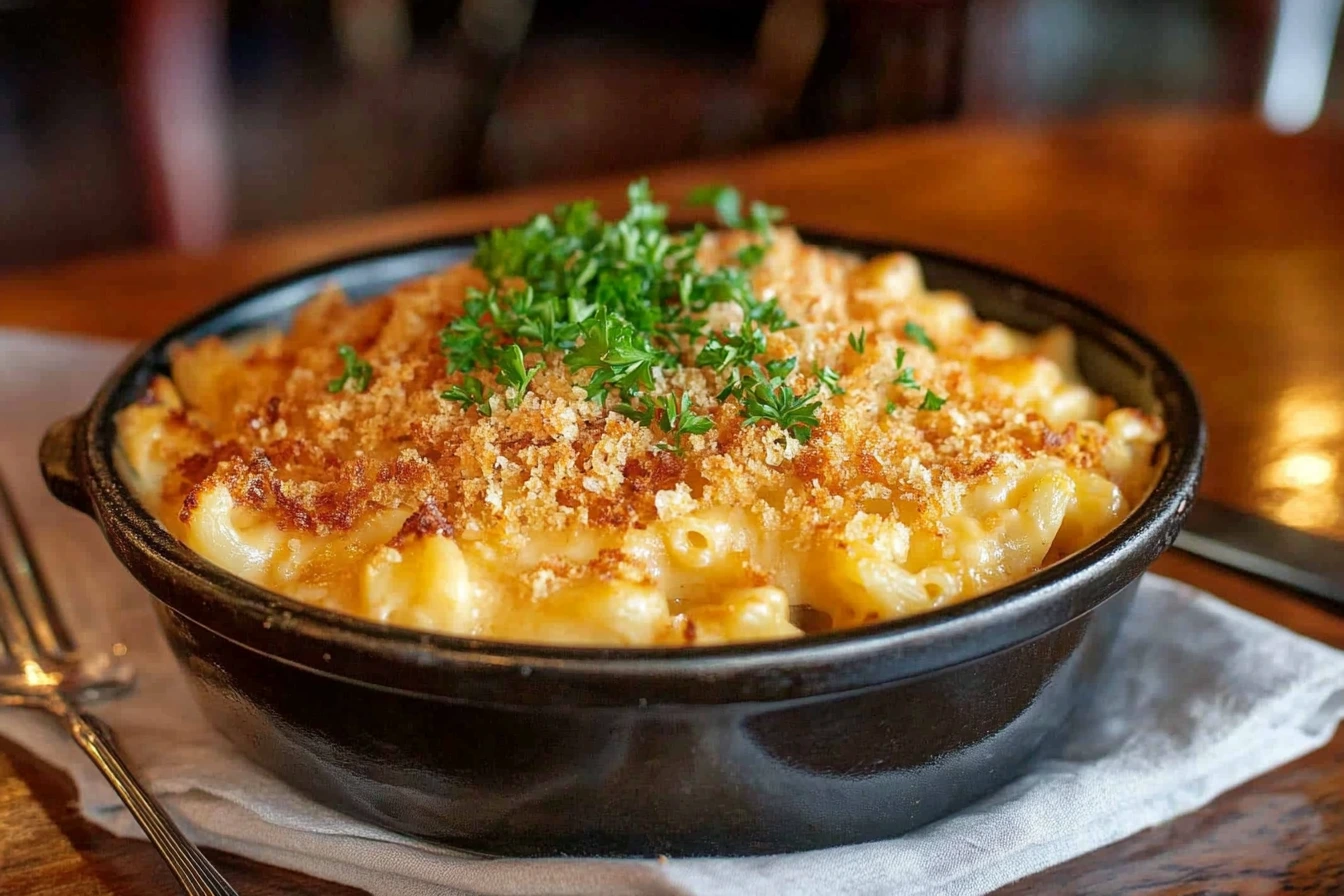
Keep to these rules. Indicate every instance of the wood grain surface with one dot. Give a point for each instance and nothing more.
(1221, 240)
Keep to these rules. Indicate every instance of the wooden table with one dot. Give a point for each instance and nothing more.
(1223, 241)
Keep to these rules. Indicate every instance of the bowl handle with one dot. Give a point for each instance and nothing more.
(57, 456)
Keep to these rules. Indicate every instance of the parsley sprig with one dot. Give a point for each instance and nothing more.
(674, 418)
(727, 204)
(768, 398)
(358, 372)
(905, 376)
(514, 373)
(619, 302)
(828, 378)
(932, 402)
(919, 335)
(471, 393)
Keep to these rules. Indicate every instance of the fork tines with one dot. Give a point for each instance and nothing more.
(30, 624)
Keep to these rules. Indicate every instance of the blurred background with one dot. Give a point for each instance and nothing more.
(178, 123)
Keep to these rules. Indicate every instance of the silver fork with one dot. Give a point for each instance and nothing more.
(40, 668)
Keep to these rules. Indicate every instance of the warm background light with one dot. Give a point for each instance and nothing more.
(1300, 481)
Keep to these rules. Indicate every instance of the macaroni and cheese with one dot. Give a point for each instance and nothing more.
(884, 453)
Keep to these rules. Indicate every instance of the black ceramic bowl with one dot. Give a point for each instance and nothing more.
(755, 748)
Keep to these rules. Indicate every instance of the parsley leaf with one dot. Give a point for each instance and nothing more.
(906, 377)
(727, 204)
(752, 255)
(769, 399)
(617, 353)
(733, 349)
(828, 378)
(780, 368)
(725, 200)
(931, 402)
(470, 393)
(464, 341)
(678, 420)
(673, 417)
(918, 334)
(762, 216)
(358, 372)
(514, 372)
(643, 415)
(860, 342)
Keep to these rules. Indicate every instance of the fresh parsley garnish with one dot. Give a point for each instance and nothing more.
(617, 354)
(891, 406)
(769, 399)
(463, 342)
(734, 349)
(727, 205)
(762, 216)
(780, 368)
(860, 342)
(828, 378)
(357, 371)
(918, 334)
(619, 302)
(931, 402)
(470, 393)
(752, 255)
(673, 417)
(904, 375)
(514, 372)
(725, 200)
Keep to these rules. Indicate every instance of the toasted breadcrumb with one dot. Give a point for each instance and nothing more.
(260, 420)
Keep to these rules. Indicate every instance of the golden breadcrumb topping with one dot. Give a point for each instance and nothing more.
(257, 419)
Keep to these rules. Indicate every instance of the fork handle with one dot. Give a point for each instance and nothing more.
(193, 870)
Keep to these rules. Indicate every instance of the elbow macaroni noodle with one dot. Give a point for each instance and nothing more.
(560, 522)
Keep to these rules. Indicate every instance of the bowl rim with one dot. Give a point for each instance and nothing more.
(765, 670)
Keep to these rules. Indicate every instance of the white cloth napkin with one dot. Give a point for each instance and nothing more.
(1200, 697)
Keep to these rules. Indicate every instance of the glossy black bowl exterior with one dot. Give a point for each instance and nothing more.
(532, 750)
